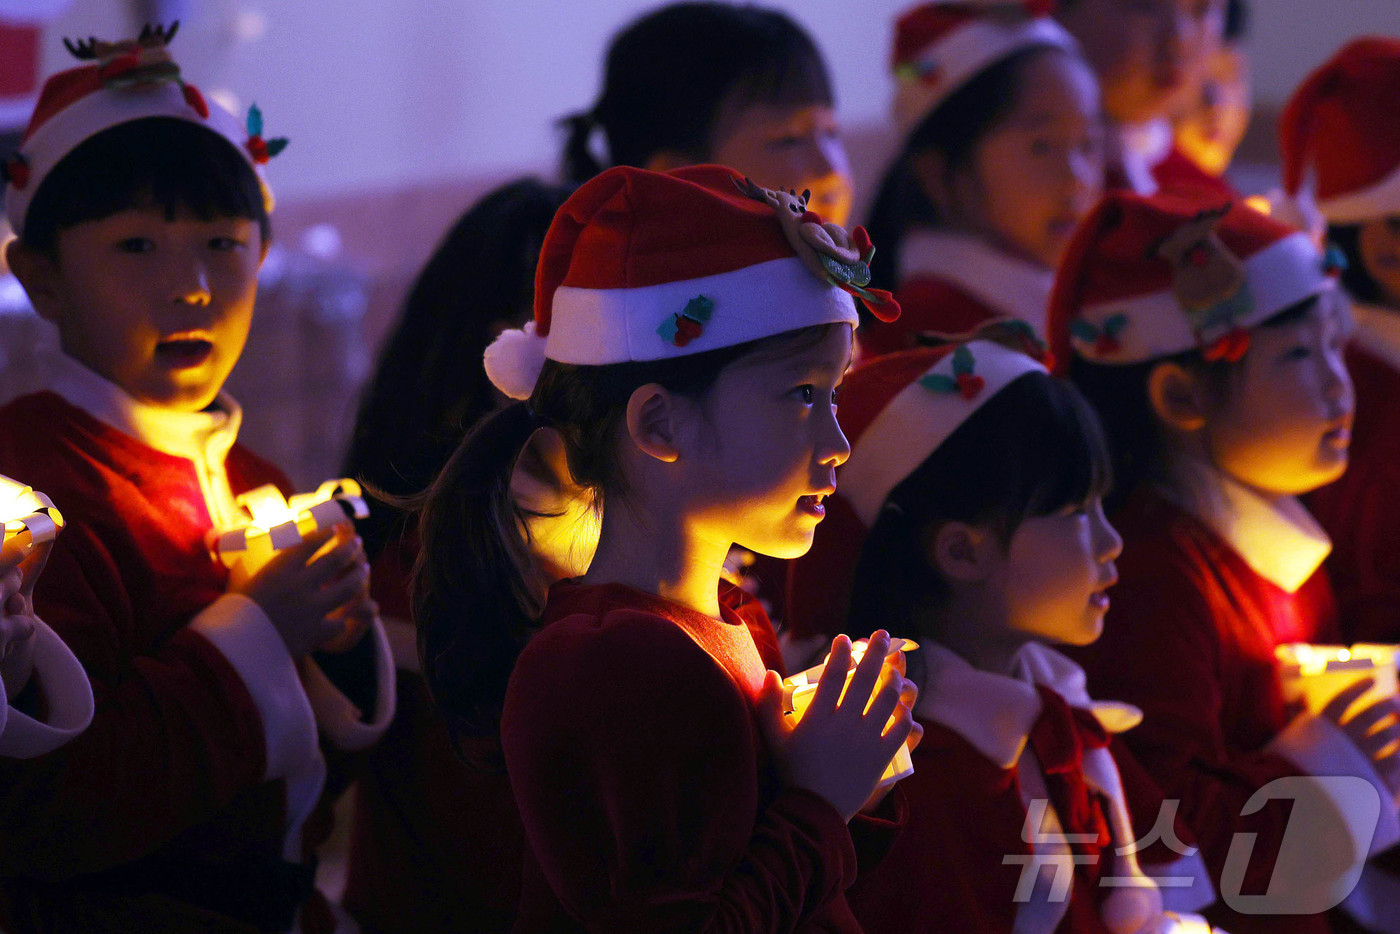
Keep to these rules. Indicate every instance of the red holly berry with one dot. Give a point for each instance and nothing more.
(687, 329)
(18, 172)
(969, 385)
(1198, 256)
(257, 148)
(1106, 344)
(195, 100)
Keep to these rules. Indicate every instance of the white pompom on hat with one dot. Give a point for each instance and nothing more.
(644, 266)
(132, 80)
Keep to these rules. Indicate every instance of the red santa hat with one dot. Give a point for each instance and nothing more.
(131, 80)
(1340, 127)
(1147, 277)
(941, 45)
(641, 266)
(896, 411)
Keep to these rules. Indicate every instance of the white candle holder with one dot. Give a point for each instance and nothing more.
(276, 523)
(1314, 674)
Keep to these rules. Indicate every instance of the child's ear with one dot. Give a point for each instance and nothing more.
(38, 273)
(664, 160)
(653, 422)
(962, 552)
(1178, 397)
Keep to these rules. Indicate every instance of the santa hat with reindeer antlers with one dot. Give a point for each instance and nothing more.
(1147, 277)
(642, 265)
(1339, 126)
(129, 80)
(896, 410)
(941, 45)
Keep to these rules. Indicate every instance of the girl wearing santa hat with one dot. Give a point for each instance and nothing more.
(1209, 338)
(1341, 149)
(1018, 820)
(45, 696)
(1002, 156)
(686, 347)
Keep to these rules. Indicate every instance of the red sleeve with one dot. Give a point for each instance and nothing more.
(1161, 650)
(174, 738)
(635, 762)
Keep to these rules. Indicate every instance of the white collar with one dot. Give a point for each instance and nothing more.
(1143, 146)
(1378, 331)
(1279, 539)
(1007, 283)
(199, 436)
(994, 712)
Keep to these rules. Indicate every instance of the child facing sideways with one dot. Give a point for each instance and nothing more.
(142, 221)
(1002, 157)
(1209, 339)
(686, 347)
(970, 517)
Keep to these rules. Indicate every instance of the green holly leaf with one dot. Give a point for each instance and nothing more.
(699, 309)
(1114, 324)
(1084, 330)
(274, 146)
(939, 383)
(255, 121)
(668, 330)
(962, 361)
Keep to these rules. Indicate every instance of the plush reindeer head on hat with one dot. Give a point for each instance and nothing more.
(131, 61)
(1210, 284)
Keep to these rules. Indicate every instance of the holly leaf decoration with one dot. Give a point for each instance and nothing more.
(1115, 324)
(276, 145)
(699, 309)
(1084, 330)
(937, 382)
(255, 121)
(962, 361)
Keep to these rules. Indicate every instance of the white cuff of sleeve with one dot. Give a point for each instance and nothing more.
(1373, 902)
(341, 721)
(67, 701)
(1185, 883)
(243, 634)
(1320, 749)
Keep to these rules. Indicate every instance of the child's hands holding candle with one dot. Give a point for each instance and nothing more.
(316, 596)
(17, 629)
(842, 744)
(1374, 728)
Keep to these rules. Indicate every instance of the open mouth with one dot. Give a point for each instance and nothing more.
(812, 504)
(181, 353)
(1338, 439)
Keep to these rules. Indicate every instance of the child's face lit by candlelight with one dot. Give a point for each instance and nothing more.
(159, 307)
(1379, 244)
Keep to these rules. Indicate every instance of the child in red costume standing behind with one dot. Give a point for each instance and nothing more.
(142, 220)
(1209, 339)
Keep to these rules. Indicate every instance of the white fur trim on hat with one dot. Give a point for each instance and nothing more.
(1379, 200)
(600, 326)
(960, 55)
(1153, 326)
(916, 421)
(67, 698)
(514, 360)
(101, 110)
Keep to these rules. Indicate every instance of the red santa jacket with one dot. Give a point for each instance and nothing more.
(1190, 640)
(967, 861)
(1151, 162)
(648, 800)
(1361, 511)
(202, 761)
(953, 283)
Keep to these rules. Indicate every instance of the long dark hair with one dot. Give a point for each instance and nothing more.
(477, 591)
(1359, 283)
(429, 386)
(953, 129)
(1031, 450)
(668, 74)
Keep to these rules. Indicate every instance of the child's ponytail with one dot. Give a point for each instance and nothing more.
(476, 591)
(578, 162)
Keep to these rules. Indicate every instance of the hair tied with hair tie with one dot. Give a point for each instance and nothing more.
(514, 361)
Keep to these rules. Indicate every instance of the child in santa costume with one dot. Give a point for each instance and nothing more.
(47, 698)
(1209, 338)
(1018, 819)
(1002, 156)
(1150, 57)
(142, 220)
(1341, 149)
(686, 346)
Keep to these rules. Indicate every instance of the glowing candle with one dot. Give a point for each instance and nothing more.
(1314, 674)
(276, 523)
(30, 518)
(798, 690)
